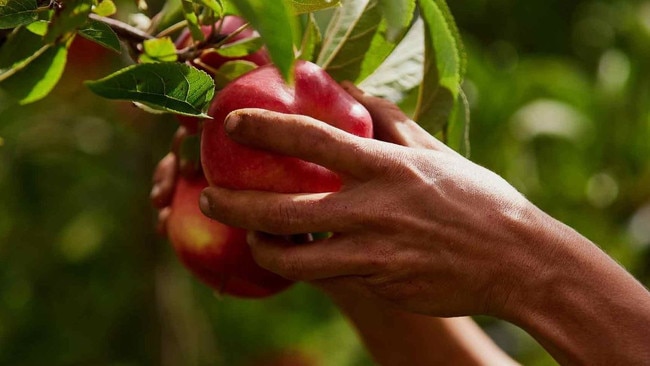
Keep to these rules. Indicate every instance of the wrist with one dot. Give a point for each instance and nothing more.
(577, 302)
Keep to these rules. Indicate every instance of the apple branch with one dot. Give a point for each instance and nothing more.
(122, 29)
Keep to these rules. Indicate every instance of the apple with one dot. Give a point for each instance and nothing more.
(212, 61)
(313, 93)
(215, 253)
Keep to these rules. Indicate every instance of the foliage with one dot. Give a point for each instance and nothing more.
(358, 39)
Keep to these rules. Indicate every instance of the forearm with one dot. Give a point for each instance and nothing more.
(399, 338)
(584, 308)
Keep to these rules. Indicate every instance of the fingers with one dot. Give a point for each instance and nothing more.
(164, 181)
(305, 138)
(391, 124)
(281, 214)
(317, 260)
(163, 218)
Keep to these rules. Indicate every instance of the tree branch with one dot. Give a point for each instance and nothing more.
(122, 29)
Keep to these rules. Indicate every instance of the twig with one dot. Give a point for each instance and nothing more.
(122, 29)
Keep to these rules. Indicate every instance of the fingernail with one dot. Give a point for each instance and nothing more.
(231, 122)
(204, 204)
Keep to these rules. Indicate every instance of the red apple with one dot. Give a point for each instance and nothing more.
(314, 93)
(216, 253)
(211, 61)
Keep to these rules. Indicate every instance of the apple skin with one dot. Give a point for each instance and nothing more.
(216, 253)
(214, 60)
(314, 93)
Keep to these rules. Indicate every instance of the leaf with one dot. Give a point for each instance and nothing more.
(14, 13)
(444, 8)
(71, 16)
(348, 38)
(442, 69)
(231, 70)
(380, 48)
(102, 34)
(276, 25)
(215, 5)
(38, 78)
(21, 48)
(457, 133)
(402, 70)
(310, 6)
(39, 27)
(240, 48)
(192, 20)
(398, 15)
(311, 39)
(168, 86)
(105, 8)
(158, 50)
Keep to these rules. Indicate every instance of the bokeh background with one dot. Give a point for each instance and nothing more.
(560, 101)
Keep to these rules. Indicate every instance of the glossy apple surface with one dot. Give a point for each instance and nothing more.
(314, 93)
(216, 253)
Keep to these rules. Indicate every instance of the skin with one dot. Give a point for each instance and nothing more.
(420, 229)
(392, 336)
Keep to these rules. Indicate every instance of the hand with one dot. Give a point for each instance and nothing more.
(420, 227)
(428, 231)
(162, 192)
(165, 177)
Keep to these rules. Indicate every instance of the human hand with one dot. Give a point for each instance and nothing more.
(162, 191)
(420, 227)
(166, 175)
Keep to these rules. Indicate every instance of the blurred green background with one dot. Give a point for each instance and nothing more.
(560, 100)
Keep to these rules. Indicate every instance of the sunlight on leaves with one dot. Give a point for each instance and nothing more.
(169, 86)
(14, 13)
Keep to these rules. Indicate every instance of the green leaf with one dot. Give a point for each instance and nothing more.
(21, 48)
(457, 133)
(71, 16)
(35, 81)
(398, 15)
(14, 13)
(102, 34)
(240, 48)
(158, 50)
(106, 8)
(169, 86)
(402, 70)
(215, 5)
(444, 8)
(310, 6)
(231, 70)
(442, 69)
(192, 20)
(39, 27)
(277, 25)
(348, 38)
(311, 39)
